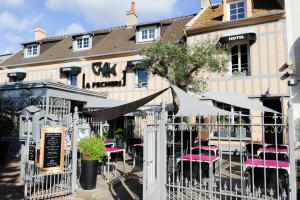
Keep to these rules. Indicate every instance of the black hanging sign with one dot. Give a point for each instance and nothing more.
(31, 153)
(247, 36)
(52, 149)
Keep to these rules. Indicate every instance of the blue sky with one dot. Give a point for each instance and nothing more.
(19, 18)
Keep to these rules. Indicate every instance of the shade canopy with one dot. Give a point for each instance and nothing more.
(103, 103)
(191, 106)
(238, 100)
(118, 111)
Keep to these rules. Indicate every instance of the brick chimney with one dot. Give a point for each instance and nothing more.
(132, 17)
(39, 34)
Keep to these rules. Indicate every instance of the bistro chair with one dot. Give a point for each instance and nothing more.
(185, 167)
(268, 175)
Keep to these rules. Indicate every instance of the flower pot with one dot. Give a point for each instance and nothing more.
(88, 176)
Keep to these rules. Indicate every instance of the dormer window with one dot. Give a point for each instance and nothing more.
(147, 34)
(237, 10)
(82, 43)
(32, 50)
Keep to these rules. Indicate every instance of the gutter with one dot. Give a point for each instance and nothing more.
(67, 59)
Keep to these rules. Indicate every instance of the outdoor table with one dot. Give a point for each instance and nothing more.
(200, 158)
(110, 151)
(135, 147)
(213, 148)
(272, 164)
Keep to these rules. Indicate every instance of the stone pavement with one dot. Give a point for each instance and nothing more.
(121, 187)
(10, 187)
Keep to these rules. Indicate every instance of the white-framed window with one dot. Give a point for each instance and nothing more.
(82, 43)
(239, 58)
(141, 78)
(32, 50)
(241, 130)
(148, 34)
(237, 10)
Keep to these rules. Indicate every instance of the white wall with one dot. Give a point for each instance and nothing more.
(293, 44)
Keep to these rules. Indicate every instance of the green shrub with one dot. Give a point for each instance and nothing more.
(92, 148)
(119, 134)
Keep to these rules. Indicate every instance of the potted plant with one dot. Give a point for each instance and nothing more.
(119, 137)
(92, 150)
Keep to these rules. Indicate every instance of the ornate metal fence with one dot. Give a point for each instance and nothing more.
(43, 185)
(224, 157)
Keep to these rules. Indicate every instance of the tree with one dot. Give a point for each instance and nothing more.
(184, 65)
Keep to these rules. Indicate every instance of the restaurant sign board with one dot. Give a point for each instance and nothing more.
(105, 70)
(52, 149)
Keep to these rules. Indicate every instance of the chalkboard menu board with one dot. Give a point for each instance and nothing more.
(31, 153)
(52, 149)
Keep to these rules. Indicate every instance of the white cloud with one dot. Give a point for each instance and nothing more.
(11, 49)
(12, 38)
(72, 28)
(112, 12)
(9, 21)
(12, 3)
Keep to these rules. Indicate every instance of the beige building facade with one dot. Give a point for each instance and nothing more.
(101, 61)
(255, 34)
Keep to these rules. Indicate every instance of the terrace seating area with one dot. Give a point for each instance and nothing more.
(262, 168)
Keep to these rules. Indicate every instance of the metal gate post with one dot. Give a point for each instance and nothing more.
(74, 150)
(162, 167)
(292, 177)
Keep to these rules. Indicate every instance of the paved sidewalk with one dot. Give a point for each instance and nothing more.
(128, 187)
(10, 187)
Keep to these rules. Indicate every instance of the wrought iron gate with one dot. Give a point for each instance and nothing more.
(40, 185)
(219, 157)
(154, 157)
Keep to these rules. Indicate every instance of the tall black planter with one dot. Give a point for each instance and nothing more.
(88, 176)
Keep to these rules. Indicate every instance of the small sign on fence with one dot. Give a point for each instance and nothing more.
(32, 153)
(52, 149)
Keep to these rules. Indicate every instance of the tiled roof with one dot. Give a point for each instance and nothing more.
(214, 13)
(105, 42)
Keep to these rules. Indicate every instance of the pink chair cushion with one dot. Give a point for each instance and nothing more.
(268, 163)
(273, 150)
(199, 157)
(111, 150)
(138, 145)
